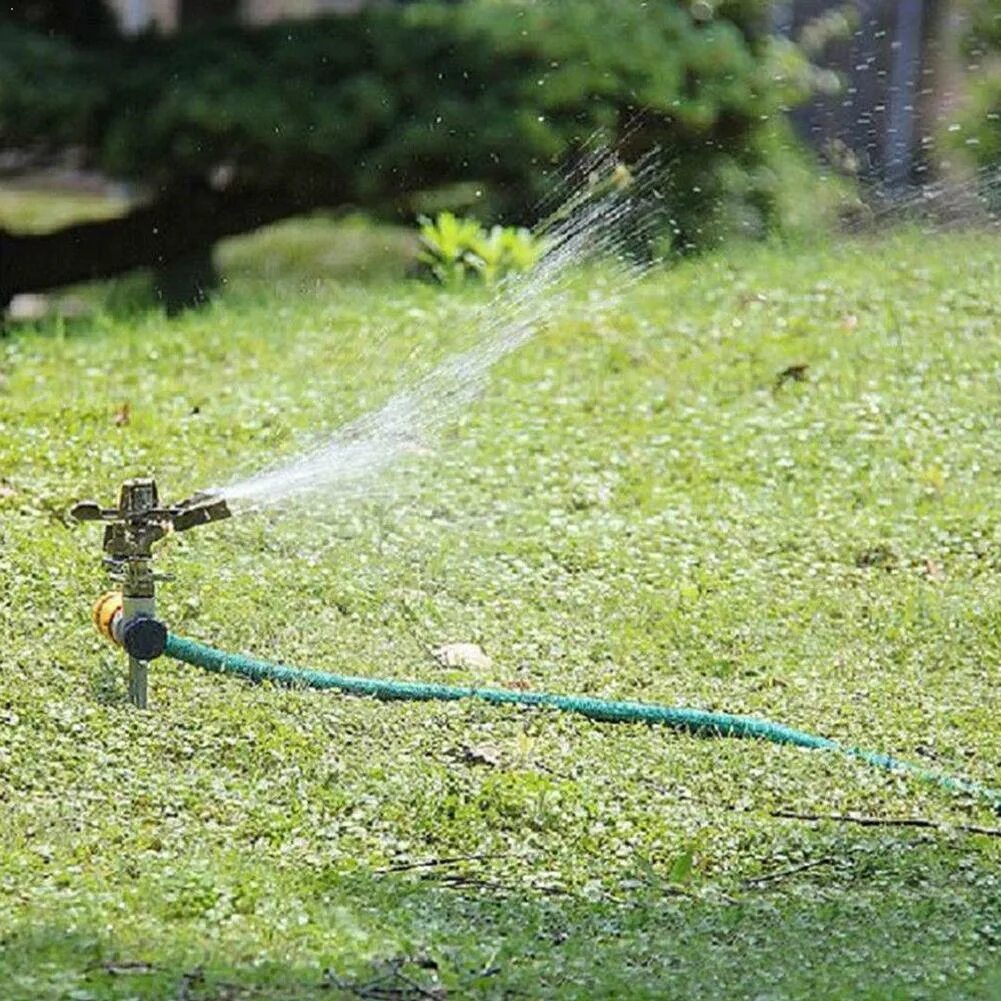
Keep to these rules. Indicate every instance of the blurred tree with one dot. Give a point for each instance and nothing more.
(84, 21)
(895, 58)
(191, 277)
(227, 128)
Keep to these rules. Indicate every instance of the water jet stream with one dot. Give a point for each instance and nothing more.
(603, 211)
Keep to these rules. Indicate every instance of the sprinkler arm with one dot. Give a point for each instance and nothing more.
(138, 522)
(200, 509)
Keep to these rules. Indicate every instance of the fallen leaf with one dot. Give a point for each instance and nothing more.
(467, 655)
(794, 373)
(482, 754)
(517, 685)
(934, 570)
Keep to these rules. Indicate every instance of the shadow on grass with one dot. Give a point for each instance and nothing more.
(430, 934)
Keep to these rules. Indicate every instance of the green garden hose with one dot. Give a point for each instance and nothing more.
(698, 721)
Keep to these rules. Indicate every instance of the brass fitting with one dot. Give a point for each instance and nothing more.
(108, 616)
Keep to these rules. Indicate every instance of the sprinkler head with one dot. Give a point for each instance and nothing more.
(139, 521)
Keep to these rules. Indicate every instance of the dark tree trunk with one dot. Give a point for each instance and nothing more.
(189, 280)
(196, 12)
(186, 282)
(905, 77)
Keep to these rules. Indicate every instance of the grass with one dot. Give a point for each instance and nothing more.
(764, 482)
(37, 207)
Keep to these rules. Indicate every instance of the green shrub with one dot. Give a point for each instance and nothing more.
(453, 249)
(61, 113)
(976, 133)
(978, 137)
(373, 108)
(84, 21)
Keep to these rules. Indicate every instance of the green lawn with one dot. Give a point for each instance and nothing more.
(647, 503)
(39, 208)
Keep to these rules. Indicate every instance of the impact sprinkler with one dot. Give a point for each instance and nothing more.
(128, 617)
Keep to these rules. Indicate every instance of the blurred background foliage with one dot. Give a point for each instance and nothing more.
(370, 108)
(471, 105)
(220, 126)
(977, 134)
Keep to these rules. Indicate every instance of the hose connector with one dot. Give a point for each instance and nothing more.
(142, 636)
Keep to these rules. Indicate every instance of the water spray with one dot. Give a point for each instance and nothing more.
(127, 616)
